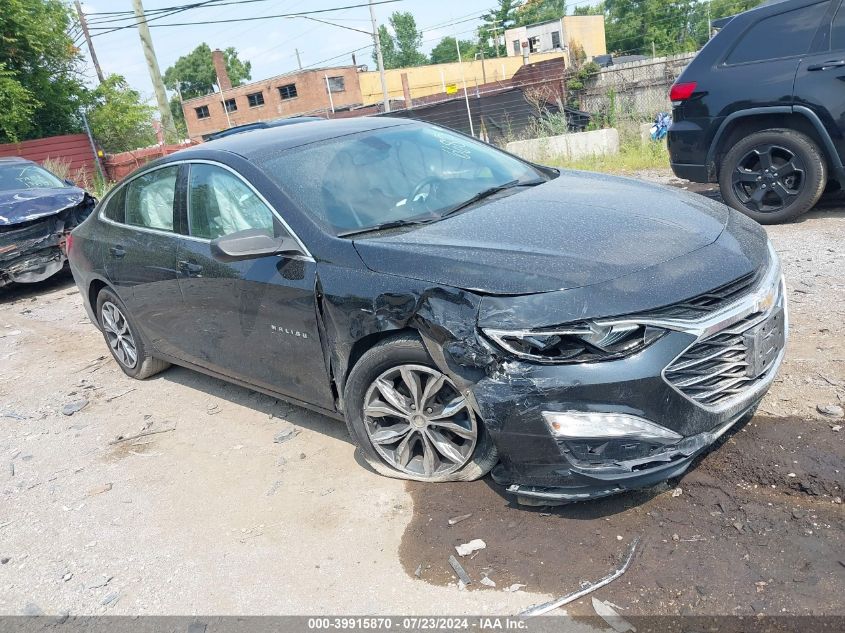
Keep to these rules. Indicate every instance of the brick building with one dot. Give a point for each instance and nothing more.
(312, 91)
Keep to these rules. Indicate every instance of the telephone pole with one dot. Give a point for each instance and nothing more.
(298, 60)
(155, 74)
(379, 59)
(84, 24)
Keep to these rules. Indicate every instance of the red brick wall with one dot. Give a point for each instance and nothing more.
(74, 148)
(312, 98)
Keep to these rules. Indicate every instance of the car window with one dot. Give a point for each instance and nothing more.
(778, 36)
(220, 203)
(149, 199)
(114, 209)
(362, 180)
(16, 176)
(837, 30)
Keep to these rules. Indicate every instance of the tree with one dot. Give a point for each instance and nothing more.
(41, 86)
(195, 76)
(534, 11)
(496, 20)
(446, 50)
(402, 49)
(178, 116)
(119, 119)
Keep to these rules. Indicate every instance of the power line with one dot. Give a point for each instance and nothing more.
(249, 19)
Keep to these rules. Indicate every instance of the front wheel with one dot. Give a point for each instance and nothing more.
(773, 176)
(410, 421)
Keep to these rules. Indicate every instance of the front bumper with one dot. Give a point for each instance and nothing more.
(537, 465)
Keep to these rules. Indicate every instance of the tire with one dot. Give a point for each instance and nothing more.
(773, 176)
(434, 451)
(119, 330)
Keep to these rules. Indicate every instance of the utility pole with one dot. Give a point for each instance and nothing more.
(379, 59)
(84, 24)
(463, 78)
(155, 73)
(298, 60)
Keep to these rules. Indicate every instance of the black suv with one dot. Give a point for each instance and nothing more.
(760, 109)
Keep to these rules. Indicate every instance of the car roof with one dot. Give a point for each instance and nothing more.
(15, 159)
(252, 143)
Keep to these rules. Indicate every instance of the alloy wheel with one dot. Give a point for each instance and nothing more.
(419, 422)
(768, 178)
(119, 335)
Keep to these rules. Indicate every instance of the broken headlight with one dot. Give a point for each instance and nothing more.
(579, 343)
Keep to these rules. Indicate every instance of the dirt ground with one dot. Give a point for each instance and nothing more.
(210, 515)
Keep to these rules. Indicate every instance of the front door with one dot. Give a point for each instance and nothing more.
(820, 81)
(254, 320)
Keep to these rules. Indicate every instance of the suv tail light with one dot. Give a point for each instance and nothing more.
(681, 92)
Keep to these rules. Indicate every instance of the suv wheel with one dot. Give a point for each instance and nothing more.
(410, 421)
(773, 176)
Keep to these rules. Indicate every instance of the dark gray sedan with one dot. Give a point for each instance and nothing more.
(461, 309)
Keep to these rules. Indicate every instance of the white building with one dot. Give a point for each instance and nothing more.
(587, 31)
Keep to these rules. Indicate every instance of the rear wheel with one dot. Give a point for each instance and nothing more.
(411, 421)
(773, 176)
(125, 341)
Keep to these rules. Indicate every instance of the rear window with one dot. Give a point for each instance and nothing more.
(783, 35)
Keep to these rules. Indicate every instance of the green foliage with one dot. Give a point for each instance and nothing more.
(120, 120)
(534, 11)
(578, 80)
(40, 88)
(496, 20)
(447, 51)
(402, 49)
(671, 26)
(178, 116)
(195, 76)
(633, 156)
(16, 107)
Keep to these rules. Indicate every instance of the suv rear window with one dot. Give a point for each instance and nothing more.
(782, 35)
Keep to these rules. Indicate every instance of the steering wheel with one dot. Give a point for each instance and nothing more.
(429, 183)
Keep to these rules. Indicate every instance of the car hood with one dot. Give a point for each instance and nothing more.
(24, 205)
(577, 230)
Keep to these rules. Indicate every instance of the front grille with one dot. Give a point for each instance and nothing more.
(707, 302)
(729, 362)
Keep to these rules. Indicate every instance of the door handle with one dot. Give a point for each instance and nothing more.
(835, 63)
(189, 267)
(117, 251)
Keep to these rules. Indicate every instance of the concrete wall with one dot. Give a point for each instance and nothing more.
(567, 146)
(586, 30)
(640, 89)
(436, 78)
(312, 95)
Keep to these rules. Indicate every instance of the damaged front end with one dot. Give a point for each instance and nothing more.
(610, 404)
(33, 245)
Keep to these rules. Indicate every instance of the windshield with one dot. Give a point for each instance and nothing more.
(407, 173)
(27, 176)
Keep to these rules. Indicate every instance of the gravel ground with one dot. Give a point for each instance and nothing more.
(210, 515)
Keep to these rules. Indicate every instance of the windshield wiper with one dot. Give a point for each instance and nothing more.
(481, 195)
(385, 225)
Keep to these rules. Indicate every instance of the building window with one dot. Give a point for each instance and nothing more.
(533, 44)
(287, 92)
(231, 105)
(202, 112)
(517, 49)
(555, 39)
(255, 99)
(336, 84)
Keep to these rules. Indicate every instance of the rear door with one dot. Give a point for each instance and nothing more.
(254, 320)
(140, 252)
(820, 81)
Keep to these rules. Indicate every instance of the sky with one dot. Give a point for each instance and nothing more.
(269, 44)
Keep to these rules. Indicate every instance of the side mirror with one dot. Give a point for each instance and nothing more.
(250, 244)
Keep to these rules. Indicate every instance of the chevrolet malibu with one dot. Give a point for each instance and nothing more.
(461, 309)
